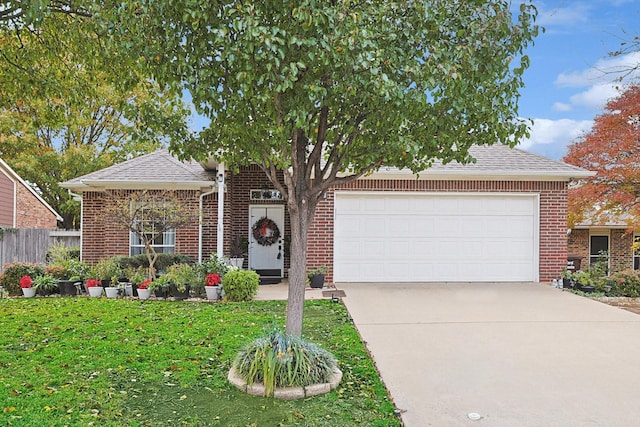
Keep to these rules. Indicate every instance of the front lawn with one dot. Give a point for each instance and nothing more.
(85, 361)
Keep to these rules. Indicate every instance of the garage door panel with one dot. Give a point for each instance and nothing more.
(431, 237)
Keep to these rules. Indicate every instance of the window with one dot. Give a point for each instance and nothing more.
(152, 221)
(599, 247)
(636, 252)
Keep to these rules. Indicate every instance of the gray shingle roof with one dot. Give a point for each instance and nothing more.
(498, 161)
(157, 168)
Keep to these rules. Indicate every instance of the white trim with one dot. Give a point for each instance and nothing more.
(220, 177)
(471, 175)
(16, 177)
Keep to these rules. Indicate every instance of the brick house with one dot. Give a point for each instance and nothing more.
(588, 240)
(503, 218)
(20, 205)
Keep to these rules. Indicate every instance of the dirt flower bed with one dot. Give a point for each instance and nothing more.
(630, 304)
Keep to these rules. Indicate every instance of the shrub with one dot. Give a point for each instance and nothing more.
(59, 253)
(162, 263)
(240, 285)
(10, 277)
(625, 284)
(182, 275)
(214, 265)
(283, 360)
(105, 269)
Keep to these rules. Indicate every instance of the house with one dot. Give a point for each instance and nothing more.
(614, 236)
(20, 205)
(503, 218)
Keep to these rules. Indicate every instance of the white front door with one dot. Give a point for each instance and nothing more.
(266, 258)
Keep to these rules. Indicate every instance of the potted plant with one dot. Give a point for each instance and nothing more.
(316, 277)
(94, 287)
(239, 247)
(27, 290)
(136, 278)
(106, 270)
(212, 286)
(181, 277)
(143, 289)
(567, 279)
(113, 290)
(45, 284)
(160, 287)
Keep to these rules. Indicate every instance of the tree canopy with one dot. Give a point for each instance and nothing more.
(612, 150)
(326, 92)
(65, 109)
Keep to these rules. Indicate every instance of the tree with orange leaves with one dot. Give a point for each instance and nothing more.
(612, 149)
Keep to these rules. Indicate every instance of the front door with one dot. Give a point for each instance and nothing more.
(266, 252)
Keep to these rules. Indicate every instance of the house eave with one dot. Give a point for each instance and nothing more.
(102, 185)
(489, 175)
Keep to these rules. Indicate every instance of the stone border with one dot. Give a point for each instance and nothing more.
(287, 393)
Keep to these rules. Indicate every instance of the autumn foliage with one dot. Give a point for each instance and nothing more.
(612, 150)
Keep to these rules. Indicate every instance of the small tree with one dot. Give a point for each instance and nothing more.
(148, 214)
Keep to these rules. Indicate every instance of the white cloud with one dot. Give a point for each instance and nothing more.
(561, 106)
(596, 96)
(605, 71)
(551, 137)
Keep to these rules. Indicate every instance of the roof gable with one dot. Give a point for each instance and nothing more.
(153, 170)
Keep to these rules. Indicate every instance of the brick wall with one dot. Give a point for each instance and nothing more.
(553, 216)
(102, 238)
(30, 212)
(620, 248)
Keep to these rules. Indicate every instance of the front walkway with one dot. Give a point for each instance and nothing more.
(515, 354)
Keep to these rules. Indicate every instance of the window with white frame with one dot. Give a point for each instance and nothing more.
(636, 252)
(150, 221)
(598, 248)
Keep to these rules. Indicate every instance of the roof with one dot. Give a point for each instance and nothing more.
(12, 174)
(159, 169)
(494, 162)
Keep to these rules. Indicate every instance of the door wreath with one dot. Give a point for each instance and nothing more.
(265, 231)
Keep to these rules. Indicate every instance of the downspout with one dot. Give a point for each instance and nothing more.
(220, 231)
(77, 196)
(200, 220)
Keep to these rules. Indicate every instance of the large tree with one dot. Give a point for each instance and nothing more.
(612, 150)
(65, 109)
(329, 91)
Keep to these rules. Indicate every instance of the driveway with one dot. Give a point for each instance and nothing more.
(517, 354)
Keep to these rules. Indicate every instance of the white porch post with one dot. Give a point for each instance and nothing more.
(220, 231)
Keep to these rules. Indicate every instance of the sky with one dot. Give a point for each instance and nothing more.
(572, 75)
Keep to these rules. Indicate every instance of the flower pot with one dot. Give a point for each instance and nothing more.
(161, 292)
(95, 291)
(29, 292)
(68, 287)
(111, 291)
(236, 262)
(179, 295)
(213, 292)
(316, 281)
(144, 293)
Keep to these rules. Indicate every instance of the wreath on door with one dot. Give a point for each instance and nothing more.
(265, 231)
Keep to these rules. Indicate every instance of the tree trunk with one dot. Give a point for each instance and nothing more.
(300, 215)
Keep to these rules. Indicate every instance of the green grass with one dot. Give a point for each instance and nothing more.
(87, 361)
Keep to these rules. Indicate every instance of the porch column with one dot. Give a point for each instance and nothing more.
(220, 230)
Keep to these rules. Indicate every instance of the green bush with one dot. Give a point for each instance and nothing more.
(240, 285)
(182, 275)
(624, 284)
(59, 253)
(282, 360)
(10, 277)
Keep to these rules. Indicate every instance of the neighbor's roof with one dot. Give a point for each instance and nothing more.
(15, 177)
(494, 162)
(151, 171)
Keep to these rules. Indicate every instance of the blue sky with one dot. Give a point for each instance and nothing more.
(570, 78)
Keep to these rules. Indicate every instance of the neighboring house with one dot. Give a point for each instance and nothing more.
(20, 205)
(503, 218)
(587, 242)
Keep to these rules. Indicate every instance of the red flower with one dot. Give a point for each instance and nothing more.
(92, 283)
(144, 284)
(213, 279)
(25, 282)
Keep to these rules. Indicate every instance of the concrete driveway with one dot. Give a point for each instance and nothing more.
(517, 354)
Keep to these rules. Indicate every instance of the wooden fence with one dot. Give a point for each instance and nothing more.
(31, 244)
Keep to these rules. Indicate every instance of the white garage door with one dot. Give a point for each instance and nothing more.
(427, 237)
